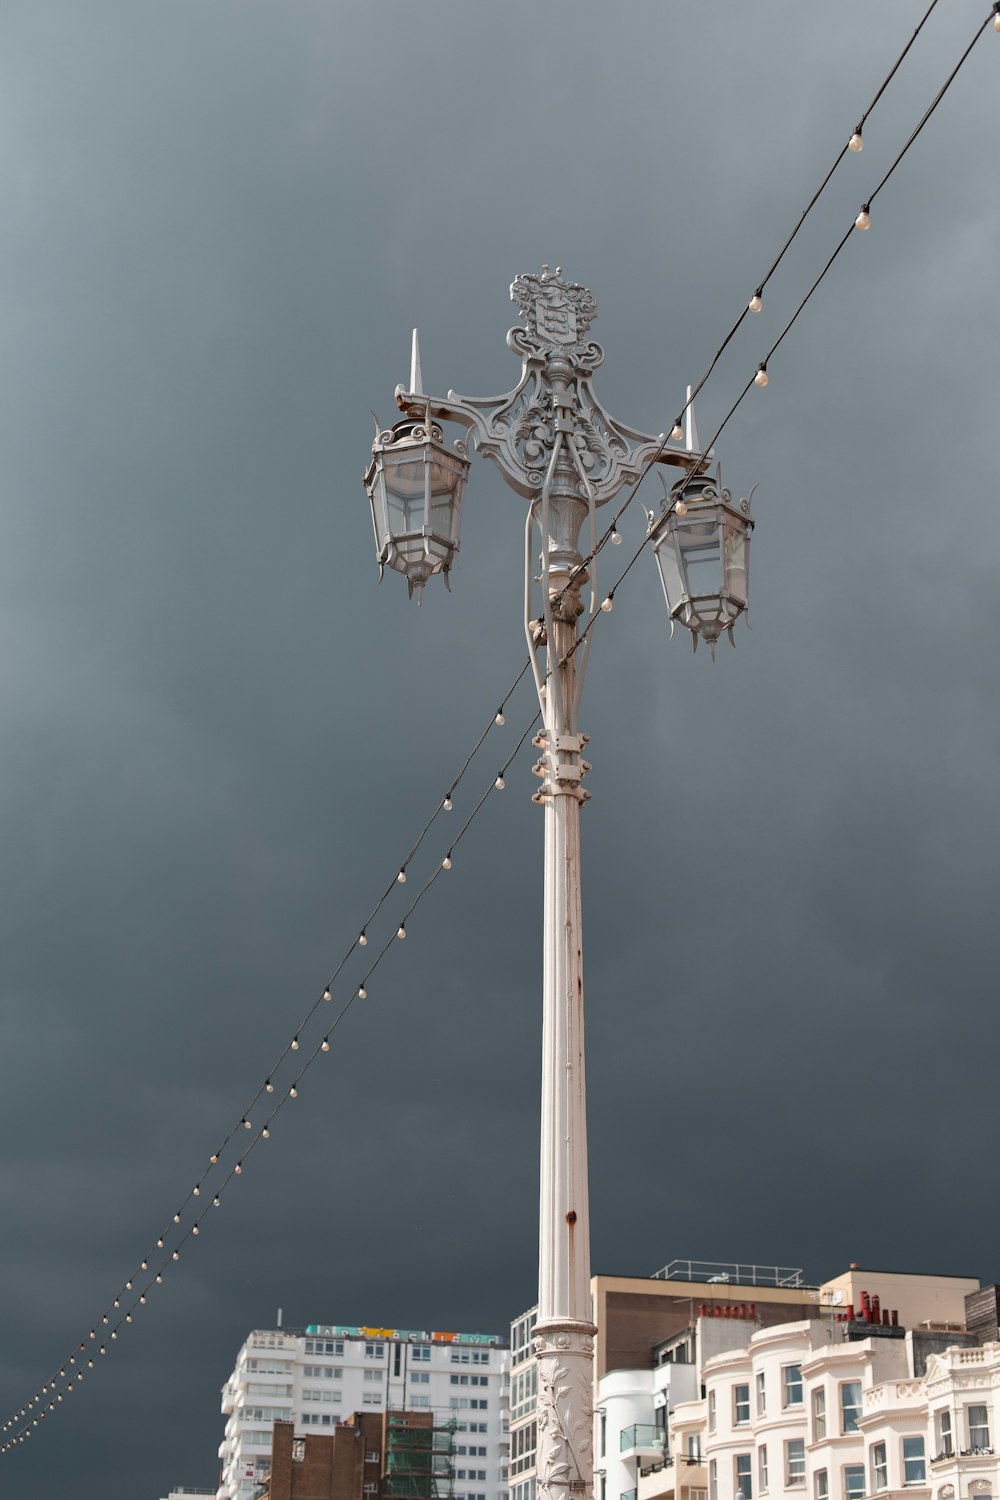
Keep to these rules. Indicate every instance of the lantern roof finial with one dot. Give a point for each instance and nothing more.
(690, 426)
(416, 378)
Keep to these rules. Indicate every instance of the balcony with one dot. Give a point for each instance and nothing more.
(642, 1440)
(659, 1481)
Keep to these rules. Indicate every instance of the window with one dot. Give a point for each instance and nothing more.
(914, 1461)
(711, 1411)
(741, 1409)
(603, 1439)
(371, 1398)
(795, 1461)
(979, 1426)
(421, 1352)
(880, 1467)
(372, 1455)
(821, 1485)
(819, 1414)
(942, 1425)
(420, 1400)
(762, 1466)
(713, 1480)
(374, 1351)
(791, 1376)
(418, 1377)
(850, 1405)
(692, 1447)
(371, 1486)
(373, 1375)
(743, 1473)
(761, 1395)
(854, 1481)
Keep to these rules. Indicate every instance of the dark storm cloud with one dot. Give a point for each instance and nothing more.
(219, 737)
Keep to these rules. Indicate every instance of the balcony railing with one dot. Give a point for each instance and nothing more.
(629, 1495)
(642, 1437)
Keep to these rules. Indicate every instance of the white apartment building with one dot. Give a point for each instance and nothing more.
(318, 1377)
(809, 1412)
(775, 1390)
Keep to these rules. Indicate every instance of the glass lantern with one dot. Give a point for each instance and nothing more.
(415, 484)
(702, 545)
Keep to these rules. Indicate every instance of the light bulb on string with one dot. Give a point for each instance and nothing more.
(500, 717)
(177, 1218)
(238, 1168)
(215, 1201)
(176, 1255)
(500, 783)
(616, 537)
(362, 993)
(195, 1229)
(864, 220)
(327, 993)
(856, 143)
(196, 1191)
(295, 1044)
(269, 1086)
(401, 878)
(446, 862)
(362, 939)
(608, 604)
(324, 1045)
(159, 1282)
(293, 1092)
(760, 379)
(142, 1300)
(677, 431)
(756, 301)
(128, 1286)
(247, 1124)
(401, 931)
(144, 1265)
(265, 1134)
(214, 1158)
(128, 1317)
(159, 1243)
(447, 804)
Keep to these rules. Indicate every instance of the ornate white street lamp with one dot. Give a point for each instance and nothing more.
(557, 447)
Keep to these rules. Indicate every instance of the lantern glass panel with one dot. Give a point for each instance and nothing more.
(404, 494)
(736, 562)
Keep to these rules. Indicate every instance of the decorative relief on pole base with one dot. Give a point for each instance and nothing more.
(565, 1456)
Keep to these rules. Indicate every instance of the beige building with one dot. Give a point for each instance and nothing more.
(711, 1380)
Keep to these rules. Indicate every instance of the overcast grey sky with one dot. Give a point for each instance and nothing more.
(218, 736)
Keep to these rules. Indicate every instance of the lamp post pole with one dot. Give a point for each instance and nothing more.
(566, 455)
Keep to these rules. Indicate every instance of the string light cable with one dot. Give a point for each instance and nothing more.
(135, 1292)
(854, 144)
(72, 1372)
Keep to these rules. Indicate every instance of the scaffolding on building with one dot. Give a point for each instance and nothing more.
(418, 1457)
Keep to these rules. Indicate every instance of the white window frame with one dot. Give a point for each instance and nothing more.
(787, 1385)
(819, 1414)
(794, 1479)
(850, 1412)
(880, 1466)
(921, 1458)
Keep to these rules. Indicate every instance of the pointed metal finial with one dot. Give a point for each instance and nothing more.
(690, 426)
(416, 378)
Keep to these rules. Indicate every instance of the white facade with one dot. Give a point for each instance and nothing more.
(805, 1413)
(318, 1378)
